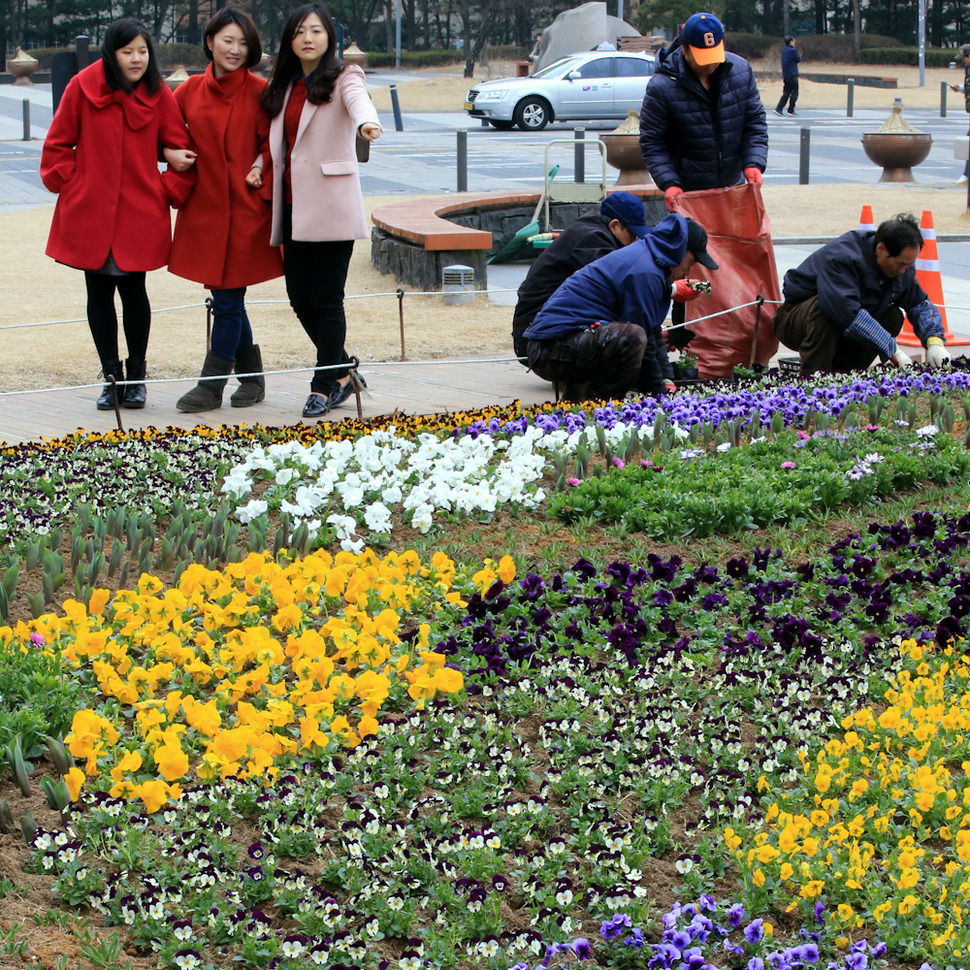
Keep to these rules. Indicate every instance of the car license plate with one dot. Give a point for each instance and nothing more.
(468, 106)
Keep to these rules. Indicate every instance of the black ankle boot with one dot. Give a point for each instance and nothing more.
(135, 393)
(207, 394)
(111, 368)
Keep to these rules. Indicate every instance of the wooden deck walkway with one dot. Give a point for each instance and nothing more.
(418, 388)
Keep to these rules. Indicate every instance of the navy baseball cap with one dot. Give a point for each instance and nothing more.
(704, 35)
(626, 207)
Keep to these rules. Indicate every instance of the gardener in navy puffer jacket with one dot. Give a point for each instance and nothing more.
(702, 123)
(598, 335)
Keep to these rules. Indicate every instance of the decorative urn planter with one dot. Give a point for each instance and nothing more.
(354, 55)
(623, 152)
(897, 146)
(22, 66)
(177, 76)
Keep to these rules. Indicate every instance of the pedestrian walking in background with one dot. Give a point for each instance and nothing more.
(790, 59)
(112, 215)
(964, 89)
(317, 106)
(222, 232)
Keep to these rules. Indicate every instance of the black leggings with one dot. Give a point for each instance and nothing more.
(315, 275)
(103, 320)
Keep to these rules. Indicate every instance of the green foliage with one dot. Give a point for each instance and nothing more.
(837, 47)
(908, 56)
(37, 697)
(750, 46)
(415, 59)
(688, 492)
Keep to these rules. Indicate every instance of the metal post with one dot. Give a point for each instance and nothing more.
(806, 135)
(398, 122)
(943, 87)
(579, 164)
(400, 313)
(462, 160)
(26, 120)
(851, 97)
(81, 51)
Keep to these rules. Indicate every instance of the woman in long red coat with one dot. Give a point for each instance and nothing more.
(222, 233)
(112, 215)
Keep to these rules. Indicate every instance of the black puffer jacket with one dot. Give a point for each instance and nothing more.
(701, 139)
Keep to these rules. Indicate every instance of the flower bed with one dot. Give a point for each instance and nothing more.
(727, 754)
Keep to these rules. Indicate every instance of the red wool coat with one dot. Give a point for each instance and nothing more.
(222, 231)
(101, 158)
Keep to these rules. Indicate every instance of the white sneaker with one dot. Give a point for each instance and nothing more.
(962, 180)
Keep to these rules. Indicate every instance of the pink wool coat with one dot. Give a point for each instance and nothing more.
(327, 200)
(222, 231)
(101, 158)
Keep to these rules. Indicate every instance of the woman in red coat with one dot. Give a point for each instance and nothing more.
(112, 215)
(222, 232)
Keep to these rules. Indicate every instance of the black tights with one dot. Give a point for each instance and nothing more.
(103, 320)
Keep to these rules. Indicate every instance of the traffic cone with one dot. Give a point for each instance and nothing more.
(866, 222)
(929, 277)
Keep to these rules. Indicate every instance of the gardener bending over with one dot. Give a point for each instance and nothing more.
(598, 335)
(844, 305)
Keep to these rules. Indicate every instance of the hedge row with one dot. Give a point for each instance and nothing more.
(933, 56)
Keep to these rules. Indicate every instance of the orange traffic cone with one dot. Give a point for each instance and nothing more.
(929, 277)
(866, 222)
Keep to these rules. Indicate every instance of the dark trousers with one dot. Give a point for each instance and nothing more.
(231, 331)
(315, 274)
(103, 319)
(822, 345)
(789, 94)
(599, 362)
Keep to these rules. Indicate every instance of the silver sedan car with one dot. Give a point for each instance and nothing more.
(594, 85)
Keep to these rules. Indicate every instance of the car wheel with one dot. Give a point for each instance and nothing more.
(532, 114)
(502, 125)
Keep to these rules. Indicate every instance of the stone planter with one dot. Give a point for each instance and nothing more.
(177, 76)
(22, 66)
(354, 55)
(623, 152)
(897, 146)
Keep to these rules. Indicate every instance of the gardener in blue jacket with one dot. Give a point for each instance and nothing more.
(790, 59)
(844, 305)
(598, 335)
(702, 123)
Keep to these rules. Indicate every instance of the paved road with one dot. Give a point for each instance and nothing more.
(422, 158)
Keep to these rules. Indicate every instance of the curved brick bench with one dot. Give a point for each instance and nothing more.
(416, 238)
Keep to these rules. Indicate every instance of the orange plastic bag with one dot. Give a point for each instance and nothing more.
(739, 240)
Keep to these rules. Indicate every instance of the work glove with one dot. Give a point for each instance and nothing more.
(682, 291)
(752, 175)
(902, 360)
(671, 193)
(670, 387)
(936, 353)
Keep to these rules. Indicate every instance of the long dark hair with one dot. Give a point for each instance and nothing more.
(233, 15)
(119, 34)
(287, 64)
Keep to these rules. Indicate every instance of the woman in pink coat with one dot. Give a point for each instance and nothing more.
(222, 232)
(318, 105)
(112, 215)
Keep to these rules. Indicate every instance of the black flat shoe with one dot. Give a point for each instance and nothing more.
(343, 391)
(316, 406)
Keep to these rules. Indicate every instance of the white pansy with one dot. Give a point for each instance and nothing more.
(251, 510)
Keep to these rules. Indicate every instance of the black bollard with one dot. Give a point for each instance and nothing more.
(398, 122)
(26, 120)
(806, 135)
(943, 87)
(850, 97)
(462, 160)
(579, 161)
